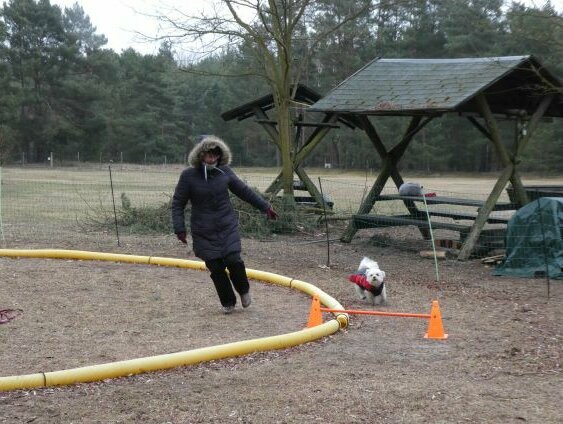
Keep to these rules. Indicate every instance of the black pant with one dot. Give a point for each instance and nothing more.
(221, 280)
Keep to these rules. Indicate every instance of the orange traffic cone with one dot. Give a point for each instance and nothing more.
(435, 327)
(315, 314)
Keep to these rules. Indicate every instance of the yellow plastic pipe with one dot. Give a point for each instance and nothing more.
(159, 362)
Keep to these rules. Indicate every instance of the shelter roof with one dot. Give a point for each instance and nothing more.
(512, 84)
(304, 96)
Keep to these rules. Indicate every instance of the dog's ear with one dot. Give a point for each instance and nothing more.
(383, 274)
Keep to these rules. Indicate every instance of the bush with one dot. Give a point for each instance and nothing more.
(292, 219)
(144, 219)
(149, 219)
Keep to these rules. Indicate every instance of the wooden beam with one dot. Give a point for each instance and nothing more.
(505, 158)
(275, 186)
(534, 120)
(389, 168)
(493, 129)
(367, 204)
(270, 128)
(372, 134)
(315, 124)
(480, 127)
(266, 121)
(484, 213)
(311, 187)
(397, 153)
(298, 123)
(313, 140)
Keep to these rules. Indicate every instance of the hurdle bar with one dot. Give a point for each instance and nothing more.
(435, 326)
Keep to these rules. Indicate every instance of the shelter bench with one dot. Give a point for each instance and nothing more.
(370, 221)
(442, 200)
(454, 201)
(491, 237)
(467, 216)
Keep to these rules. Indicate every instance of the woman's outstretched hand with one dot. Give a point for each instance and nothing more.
(271, 213)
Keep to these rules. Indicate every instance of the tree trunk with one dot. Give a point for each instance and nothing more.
(284, 128)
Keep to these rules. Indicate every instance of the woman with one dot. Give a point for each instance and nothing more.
(214, 224)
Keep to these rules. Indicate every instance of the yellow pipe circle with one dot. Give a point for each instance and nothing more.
(190, 357)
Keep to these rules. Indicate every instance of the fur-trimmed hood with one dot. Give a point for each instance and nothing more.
(210, 142)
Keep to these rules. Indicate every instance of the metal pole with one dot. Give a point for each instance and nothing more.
(431, 236)
(326, 224)
(1, 224)
(544, 247)
(113, 200)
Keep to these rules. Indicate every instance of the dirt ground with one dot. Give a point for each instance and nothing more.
(500, 364)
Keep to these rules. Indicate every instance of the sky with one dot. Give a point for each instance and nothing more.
(121, 21)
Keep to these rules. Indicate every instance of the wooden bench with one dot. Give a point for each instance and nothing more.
(467, 216)
(442, 200)
(308, 200)
(371, 221)
(418, 217)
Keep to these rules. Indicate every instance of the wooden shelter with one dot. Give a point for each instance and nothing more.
(481, 90)
(303, 97)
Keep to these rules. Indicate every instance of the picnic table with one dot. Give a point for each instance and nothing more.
(461, 221)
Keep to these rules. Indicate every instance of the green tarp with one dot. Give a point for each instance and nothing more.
(534, 240)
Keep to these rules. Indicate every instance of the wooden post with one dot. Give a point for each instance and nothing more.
(483, 214)
(270, 127)
(312, 141)
(534, 120)
(389, 168)
(311, 188)
(505, 158)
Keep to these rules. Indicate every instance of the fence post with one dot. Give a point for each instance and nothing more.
(543, 243)
(113, 200)
(1, 223)
(326, 225)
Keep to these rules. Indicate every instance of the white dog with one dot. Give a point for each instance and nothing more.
(369, 282)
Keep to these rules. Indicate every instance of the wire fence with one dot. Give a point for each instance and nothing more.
(64, 205)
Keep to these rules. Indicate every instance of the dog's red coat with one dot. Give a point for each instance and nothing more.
(360, 280)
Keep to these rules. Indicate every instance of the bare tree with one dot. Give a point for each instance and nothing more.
(269, 28)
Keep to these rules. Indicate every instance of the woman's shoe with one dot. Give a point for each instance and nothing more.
(228, 309)
(246, 300)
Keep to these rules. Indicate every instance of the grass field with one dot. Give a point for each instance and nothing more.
(52, 201)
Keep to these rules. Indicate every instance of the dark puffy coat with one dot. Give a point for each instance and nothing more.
(214, 223)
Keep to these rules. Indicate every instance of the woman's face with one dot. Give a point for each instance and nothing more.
(210, 158)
